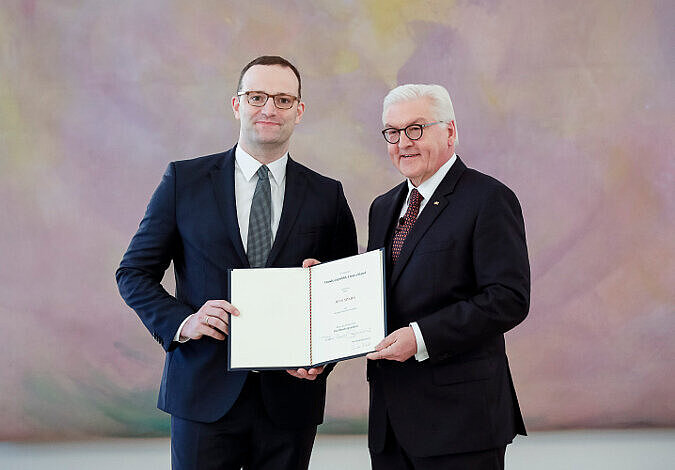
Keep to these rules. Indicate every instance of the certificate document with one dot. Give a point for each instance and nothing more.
(305, 317)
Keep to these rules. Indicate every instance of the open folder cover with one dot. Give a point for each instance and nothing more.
(307, 317)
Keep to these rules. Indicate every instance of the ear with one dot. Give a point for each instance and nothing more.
(301, 111)
(451, 134)
(235, 107)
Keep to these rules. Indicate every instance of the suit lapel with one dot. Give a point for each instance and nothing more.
(433, 208)
(384, 226)
(222, 179)
(294, 194)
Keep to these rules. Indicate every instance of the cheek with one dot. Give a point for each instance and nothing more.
(395, 160)
(393, 153)
(245, 115)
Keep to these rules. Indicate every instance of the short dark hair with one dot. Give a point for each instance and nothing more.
(270, 60)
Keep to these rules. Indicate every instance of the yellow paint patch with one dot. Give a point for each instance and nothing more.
(387, 38)
(346, 61)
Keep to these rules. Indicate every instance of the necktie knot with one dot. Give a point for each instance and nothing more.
(415, 198)
(263, 172)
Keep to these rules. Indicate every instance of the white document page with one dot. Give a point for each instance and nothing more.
(273, 328)
(347, 307)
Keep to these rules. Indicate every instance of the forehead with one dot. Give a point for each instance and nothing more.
(407, 112)
(270, 78)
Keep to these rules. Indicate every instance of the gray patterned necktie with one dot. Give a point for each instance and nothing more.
(259, 240)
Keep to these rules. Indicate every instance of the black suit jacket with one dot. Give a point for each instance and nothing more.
(191, 221)
(463, 276)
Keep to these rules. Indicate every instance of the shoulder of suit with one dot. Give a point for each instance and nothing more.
(195, 170)
(486, 184)
(392, 192)
(387, 197)
(316, 176)
(206, 161)
(475, 176)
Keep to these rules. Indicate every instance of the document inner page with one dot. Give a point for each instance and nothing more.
(347, 307)
(273, 328)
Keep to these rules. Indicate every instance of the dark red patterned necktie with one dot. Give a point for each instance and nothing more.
(402, 230)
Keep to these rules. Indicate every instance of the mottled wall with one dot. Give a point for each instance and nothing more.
(569, 103)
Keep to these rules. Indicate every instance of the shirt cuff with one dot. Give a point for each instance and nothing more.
(177, 337)
(422, 353)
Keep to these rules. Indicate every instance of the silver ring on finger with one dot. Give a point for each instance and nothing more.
(206, 320)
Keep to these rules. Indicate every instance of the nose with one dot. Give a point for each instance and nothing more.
(404, 141)
(270, 108)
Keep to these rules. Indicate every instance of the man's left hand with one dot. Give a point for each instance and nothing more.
(310, 374)
(398, 346)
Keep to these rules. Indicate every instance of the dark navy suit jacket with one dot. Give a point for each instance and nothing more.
(463, 276)
(191, 221)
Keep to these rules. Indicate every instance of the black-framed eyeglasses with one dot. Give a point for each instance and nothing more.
(259, 98)
(413, 132)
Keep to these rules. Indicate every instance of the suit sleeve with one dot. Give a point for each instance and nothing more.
(343, 244)
(145, 261)
(344, 237)
(502, 277)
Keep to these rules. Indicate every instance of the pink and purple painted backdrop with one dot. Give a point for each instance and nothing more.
(569, 103)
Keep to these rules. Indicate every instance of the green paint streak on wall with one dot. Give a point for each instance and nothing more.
(12, 139)
(100, 407)
(21, 135)
(343, 426)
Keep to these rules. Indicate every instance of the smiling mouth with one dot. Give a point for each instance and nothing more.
(268, 123)
(409, 155)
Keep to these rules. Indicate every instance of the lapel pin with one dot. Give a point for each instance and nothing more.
(435, 203)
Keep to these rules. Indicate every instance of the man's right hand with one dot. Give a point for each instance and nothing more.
(210, 320)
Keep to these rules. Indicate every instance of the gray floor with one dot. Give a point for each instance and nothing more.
(573, 450)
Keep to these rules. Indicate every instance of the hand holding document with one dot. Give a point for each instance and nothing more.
(305, 317)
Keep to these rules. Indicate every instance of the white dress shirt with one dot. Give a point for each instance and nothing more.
(426, 190)
(245, 180)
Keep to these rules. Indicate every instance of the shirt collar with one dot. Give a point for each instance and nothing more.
(428, 187)
(249, 166)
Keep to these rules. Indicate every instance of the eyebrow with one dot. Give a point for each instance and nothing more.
(268, 93)
(414, 121)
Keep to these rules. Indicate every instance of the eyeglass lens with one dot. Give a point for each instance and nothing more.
(413, 132)
(280, 101)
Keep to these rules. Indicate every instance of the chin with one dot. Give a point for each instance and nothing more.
(268, 138)
(408, 171)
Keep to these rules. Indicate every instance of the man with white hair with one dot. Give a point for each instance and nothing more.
(458, 278)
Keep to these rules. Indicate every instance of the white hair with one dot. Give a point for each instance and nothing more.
(440, 101)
